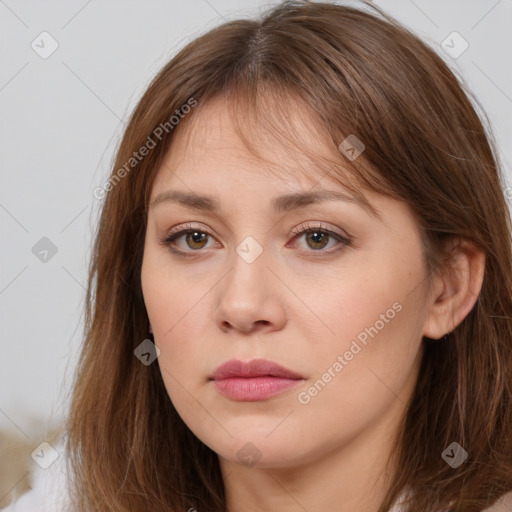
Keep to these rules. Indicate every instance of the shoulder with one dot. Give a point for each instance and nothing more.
(49, 484)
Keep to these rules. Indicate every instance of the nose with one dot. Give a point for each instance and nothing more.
(249, 298)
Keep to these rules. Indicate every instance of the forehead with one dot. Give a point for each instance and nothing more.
(293, 149)
(208, 158)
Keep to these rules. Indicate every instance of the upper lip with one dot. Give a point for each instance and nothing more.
(253, 368)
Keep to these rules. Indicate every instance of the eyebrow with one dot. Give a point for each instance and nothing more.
(281, 204)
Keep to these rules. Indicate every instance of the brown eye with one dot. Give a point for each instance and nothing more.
(317, 239)
(196, 239)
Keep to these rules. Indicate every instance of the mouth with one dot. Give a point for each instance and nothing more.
(255, 380)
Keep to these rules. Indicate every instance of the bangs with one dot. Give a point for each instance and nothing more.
(278, 126)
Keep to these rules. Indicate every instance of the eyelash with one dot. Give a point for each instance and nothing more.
(170, 237)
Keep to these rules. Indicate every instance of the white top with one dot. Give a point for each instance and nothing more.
(49, 485)
(49, 490)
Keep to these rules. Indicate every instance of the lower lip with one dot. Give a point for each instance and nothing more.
(255, 388)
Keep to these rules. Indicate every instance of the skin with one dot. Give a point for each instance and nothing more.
(297, 305)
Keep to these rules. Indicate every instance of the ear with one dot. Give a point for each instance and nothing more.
(455, 289)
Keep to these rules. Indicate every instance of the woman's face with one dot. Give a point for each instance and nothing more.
(346, 318)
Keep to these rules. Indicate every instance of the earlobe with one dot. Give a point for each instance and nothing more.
(455, 289)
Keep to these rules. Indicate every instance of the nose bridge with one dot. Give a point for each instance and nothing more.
(248, 268)
(245, 297)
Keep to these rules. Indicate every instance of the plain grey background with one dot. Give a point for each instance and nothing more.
(61, 120)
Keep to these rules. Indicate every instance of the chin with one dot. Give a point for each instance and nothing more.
(258, 450)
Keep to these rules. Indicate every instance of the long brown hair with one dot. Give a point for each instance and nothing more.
(355, 72)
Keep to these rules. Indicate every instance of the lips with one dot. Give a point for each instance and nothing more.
(255, 380)
(253, 368)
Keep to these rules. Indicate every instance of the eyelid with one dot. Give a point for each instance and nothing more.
(320, 225)
(298, 230)
(185, 227)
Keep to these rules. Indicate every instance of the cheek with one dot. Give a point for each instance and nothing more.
(167, 295)
(356, 382)
(367, 295)
(167, 311)
(371, 318)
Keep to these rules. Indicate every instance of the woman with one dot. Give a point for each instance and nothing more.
(300, 292)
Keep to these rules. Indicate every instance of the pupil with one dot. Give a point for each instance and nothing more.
(195, 237)
(195, 234)
(316, 237)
